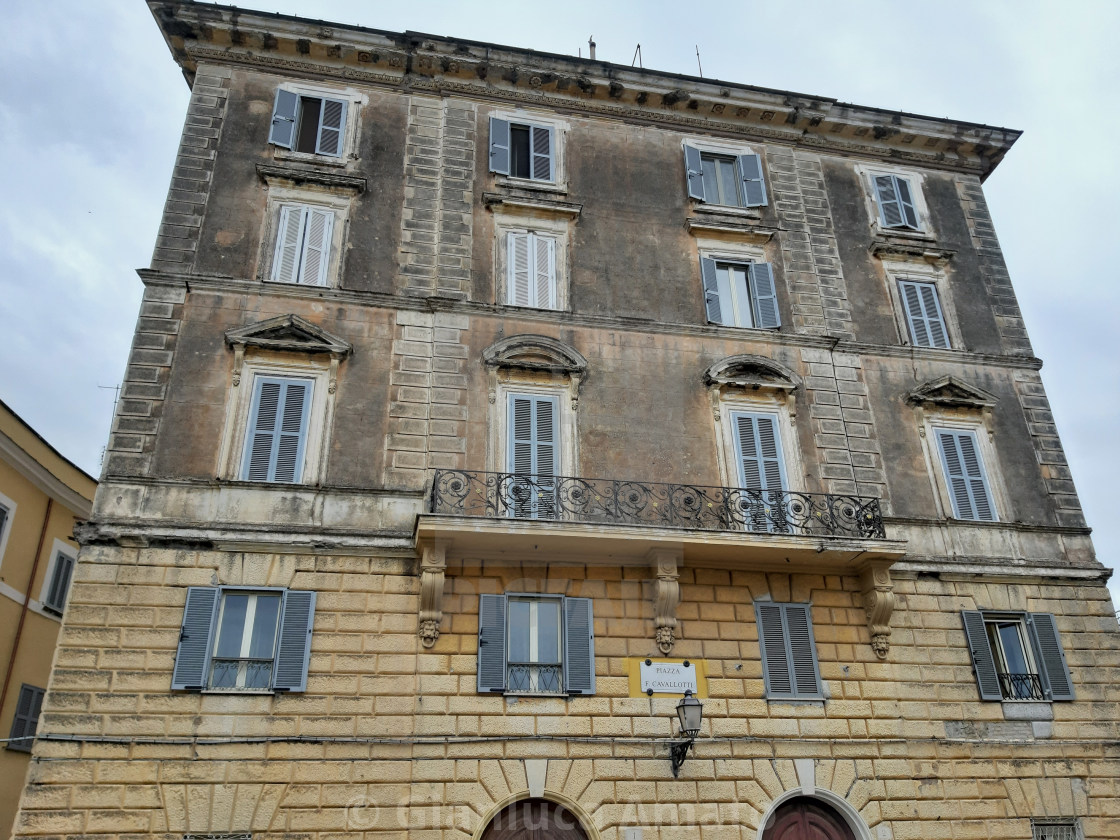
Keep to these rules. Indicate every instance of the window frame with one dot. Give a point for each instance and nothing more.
(352, 101)
(1072, 823)
(511, 382)
(986, 661)
(898, 272)
(9, 507)
(558, 130)
(766, 654)
(916, 182)
(746, 263)
(258, 383)
(775, 403)
(71, 554)
(986, 482)
(962, 420)
(311, 199)
(18, 734)
(708, 148)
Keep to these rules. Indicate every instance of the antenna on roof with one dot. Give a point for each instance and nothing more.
(637, 57)
(591, 47)
(698, 61)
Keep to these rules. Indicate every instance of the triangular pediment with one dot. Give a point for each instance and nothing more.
(752, 372)
(288, 333)
(534, 352)
(950, 392)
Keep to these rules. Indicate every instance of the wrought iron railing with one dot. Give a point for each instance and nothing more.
(241, 673)
(534, 678)
(1020, 687)
(620, 502)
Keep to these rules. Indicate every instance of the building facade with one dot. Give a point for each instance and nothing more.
(42, 497)
(484, 401)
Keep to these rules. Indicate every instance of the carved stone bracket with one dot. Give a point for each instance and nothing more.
(667, 595)
(878, 601)
(433, 565)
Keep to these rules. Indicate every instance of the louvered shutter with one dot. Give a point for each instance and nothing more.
(964, 473)
(293, 647)
(579, 646)
(712, 305)
(906, 202)
(26, 718)
(277, 430)
(193, 657)
(889, 210)
(289, 238)
(983, 662)
(291, 434)
(544, 272)
(765, 296)
(923, 313)
(772, 644)
(759, 451)
(60, 582)
(3, 520)
(332, 122)
(491, 643)
(541, 153)
(802, 650)
(499, 146)
(546, 455)
(694, 171)
(283, 131)
(789, 654)
(754, 186)
(316, 246)
(519, 275)
(1051, 657)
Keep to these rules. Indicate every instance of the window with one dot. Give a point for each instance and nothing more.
(6, 509)
(535, 644)
(238, 639)
(761, 471)
(277, 432)
(1055, 830)
(895, 198)
(26, 719)
(303, 245)
(522, 150)
(531, 268)
(964, 474)
(923, 314)
(533, 429)
(59, 573)
(740, 294)
(730, 180)
(310, 124)
(1017, 656)
(789, 654)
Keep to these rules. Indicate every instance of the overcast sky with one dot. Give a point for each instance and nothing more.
(91, 106)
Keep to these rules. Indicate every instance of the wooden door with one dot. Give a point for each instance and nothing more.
(534, 819)
(806, 819)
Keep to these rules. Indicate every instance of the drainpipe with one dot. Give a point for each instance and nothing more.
(26, 603)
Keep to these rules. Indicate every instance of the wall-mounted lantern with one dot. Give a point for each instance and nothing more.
(690, 712)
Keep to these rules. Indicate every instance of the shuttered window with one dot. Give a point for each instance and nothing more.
(740, 294)
(964, 474)
(3, 523)
(26, 719)
(758, 451)
(923, 314)
(895, 198)
(62, 570)
(789, 654)
(522, 150)
(277, 432)
(533, 428)
(310, 124)
(1017, 656)
(731, 180)
(531, 277)
(303, 245)
(533, 644)
(237, 639)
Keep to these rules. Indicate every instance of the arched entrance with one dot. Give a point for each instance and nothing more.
(804, 818)
(534, 819)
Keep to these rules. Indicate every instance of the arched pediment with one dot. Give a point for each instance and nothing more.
(751, 372)
(950, 392)
(534, 352)
(289, 334)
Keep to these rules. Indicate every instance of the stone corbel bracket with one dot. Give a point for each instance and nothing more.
(667, 595)
(433, 568)
(878, 601)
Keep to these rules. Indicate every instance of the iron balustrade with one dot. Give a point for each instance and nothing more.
(621, 502)
(255, 672)
(534, 678)
(1021, 687)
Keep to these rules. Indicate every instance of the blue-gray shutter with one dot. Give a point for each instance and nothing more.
(26, 719)
(60, 583)
(277, 430)
(889, 211)
(1053, 669)
(964, 473)
(332, 124)
(499, 146)
(579, 646)
(193, 657)
(289, 239)
(759, 447)
(491, 643)
(923, 313)
(906, 202)
(694, 171)
(754, 185)
(765, 296)
(293, 648)
(802, 650)
(789, 656)
(711, 291)
(772, 644)
(520, 292)
(983, 662)
(541, 153)
(283, 131)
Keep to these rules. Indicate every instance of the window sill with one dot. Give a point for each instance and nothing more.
(752, 213)
(798, 701)
(280, 153)
(284, 176)
(529, 184)
(255, 692)
(914, 247)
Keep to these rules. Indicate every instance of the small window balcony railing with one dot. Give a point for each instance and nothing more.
(650, 504)
(534, 678)
(1021, 687)
(248, 673)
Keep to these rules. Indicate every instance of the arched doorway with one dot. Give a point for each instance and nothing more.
(804, 818)
(534, 819)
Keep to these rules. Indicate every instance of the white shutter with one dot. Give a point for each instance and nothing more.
(520, 288)
(316, 256)
(906, 202)
(541, 153)
(544, 270)
(889, 211)
(289, 237)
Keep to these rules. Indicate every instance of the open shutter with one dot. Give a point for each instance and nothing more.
(694, 171)
(60, 582)
(802, 650)
(938, 335)
(316, 247)
(544, 272)
(906, 203)
(765, 296)
(889, 210)
(283, 131)
(579, 646)
(491, 643)
(292, 432)
(1051, 658)
(541, 147)
(776, 671)
(499, 146)
(293, 647)
(289, 237)
(983, 662)
(193, 657)
(332, 122)
(711, 291)
(754, 186)
(519, 286)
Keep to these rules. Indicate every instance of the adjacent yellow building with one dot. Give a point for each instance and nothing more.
(42, 495)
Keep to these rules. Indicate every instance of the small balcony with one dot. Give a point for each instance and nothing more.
(1020, 686)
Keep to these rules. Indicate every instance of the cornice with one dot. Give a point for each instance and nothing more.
(42, 478)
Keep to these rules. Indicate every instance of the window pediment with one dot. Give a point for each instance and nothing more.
(288, 334)
(751, 373)
(534, 352)
(950, 392)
